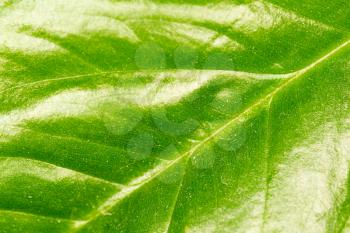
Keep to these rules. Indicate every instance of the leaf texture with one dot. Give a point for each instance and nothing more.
(174, 116)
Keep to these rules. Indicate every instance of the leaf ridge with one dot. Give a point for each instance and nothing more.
(172, 210)
(266, 169)
(56, 79)
(80, 174)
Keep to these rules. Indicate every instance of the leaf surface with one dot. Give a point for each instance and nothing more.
(173, 116)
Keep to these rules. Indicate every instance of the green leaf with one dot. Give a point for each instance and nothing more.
(173, 116)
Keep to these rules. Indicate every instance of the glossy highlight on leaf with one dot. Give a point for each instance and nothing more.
(174, 116)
